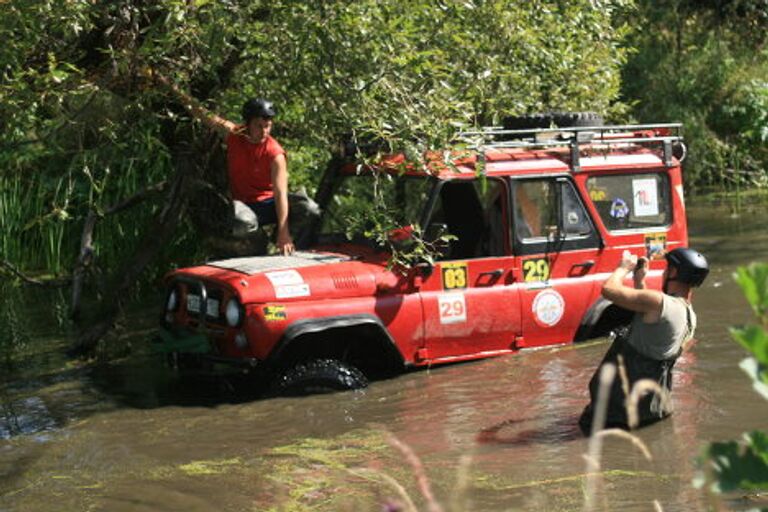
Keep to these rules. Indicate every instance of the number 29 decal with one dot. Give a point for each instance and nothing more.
(536, 269)
(453, 308)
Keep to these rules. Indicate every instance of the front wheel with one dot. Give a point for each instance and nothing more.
(319, 376)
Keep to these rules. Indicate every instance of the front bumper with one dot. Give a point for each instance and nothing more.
(196, 345)
(168, 342)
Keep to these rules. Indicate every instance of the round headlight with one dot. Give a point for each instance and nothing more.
(234, 313)
(173, 300)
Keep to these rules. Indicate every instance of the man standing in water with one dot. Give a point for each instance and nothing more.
(663, 324)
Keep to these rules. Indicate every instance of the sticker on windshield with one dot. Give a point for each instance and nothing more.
(453, 308)
(536, 269)
(619, 208)
(655, 245)
(548, 308)
(275, 313)
(598, 194)
(455, 275)
(646, 196)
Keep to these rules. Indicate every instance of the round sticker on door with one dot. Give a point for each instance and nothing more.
(548, 307)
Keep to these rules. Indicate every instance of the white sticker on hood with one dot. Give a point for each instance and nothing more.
(288, 283)
(287, 291)
(284, 277)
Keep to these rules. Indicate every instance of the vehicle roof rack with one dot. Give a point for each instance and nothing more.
(576, 137)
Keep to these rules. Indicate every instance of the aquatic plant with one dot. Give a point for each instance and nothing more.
(743, 465)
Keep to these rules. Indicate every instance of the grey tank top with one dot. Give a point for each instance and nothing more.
(664, 339)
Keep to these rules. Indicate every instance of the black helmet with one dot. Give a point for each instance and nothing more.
(692, 267)
(258, 107)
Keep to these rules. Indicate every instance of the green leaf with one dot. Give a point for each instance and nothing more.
(753, 281)
(753, 338)
(739, 466)
(758, 375)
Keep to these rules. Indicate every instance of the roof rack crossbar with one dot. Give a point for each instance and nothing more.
(603, 128)
(567, 142)
(574, 137)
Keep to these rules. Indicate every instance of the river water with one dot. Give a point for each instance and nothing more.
(492, 435)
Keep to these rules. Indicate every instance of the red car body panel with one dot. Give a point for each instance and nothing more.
(457, 309)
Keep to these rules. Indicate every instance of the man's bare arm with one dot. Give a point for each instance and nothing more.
(644, 301)
(279, 170)
(195, 108)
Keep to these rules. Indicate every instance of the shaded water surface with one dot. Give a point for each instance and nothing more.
(493, 435)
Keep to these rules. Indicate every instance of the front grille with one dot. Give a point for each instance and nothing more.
(212, 306)
(201, 304)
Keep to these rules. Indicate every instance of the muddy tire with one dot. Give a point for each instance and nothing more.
(318, 376)
(553, 119)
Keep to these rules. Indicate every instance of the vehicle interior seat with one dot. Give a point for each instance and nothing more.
(464, 217)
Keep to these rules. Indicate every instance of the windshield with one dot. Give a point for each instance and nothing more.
(360, 199)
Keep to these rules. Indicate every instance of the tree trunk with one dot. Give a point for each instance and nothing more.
(190, 160)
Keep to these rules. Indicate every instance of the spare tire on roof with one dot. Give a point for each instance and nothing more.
(552, 120)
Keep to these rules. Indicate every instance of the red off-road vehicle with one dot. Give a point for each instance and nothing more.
(539, 218)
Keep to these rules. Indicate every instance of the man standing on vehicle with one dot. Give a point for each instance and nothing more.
(663, 324)
(257, 168)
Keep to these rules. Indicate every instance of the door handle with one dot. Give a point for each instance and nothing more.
(489, 278)
(580, 269)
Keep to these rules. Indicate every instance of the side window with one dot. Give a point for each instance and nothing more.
(575, 219)
(535, 209)
(631, 201)
(549, 216)
(473, 212)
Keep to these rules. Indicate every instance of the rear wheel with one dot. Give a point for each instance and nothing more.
(319, 376)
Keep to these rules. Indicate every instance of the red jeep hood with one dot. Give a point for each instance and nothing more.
(303, 276)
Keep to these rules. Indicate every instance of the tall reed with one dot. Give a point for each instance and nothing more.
(33, 222)
(44, 202)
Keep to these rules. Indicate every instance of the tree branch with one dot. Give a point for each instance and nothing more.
(59, 282)
(189, 163)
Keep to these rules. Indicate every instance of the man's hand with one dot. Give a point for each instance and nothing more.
(285, 243)
(641, 270)
(636, 299)
(628, 261)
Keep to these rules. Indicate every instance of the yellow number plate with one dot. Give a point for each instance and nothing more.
(455, 275)
(536, 269)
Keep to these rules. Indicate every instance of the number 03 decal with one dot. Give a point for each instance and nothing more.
(536, 269)
(454, 275)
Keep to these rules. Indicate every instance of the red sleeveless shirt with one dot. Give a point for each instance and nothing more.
(249, 164)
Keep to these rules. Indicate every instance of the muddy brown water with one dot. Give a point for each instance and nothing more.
(492, 435)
